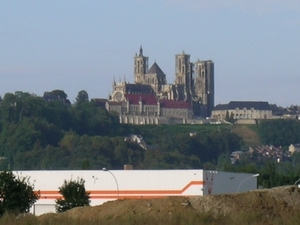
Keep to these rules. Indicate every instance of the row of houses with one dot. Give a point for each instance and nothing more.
(274, 153)
(270, 152)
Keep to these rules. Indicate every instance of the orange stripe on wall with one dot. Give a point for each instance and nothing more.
(123, 193)
(113, 197)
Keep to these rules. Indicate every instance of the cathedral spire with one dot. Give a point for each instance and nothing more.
(140, 67)
(141, 51)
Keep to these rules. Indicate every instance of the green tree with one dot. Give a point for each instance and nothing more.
(74, 195)
(17, 195)
(60, 93)
(281, 132)
(82, 96)
(7, 110)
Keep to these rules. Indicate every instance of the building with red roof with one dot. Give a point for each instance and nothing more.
(148, 109)
(150, 99)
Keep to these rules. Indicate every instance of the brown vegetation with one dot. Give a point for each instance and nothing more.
(249, 136)
(266, 206)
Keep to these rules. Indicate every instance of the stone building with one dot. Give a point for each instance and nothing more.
(147, 109)
(242, 110)
(192, 93)
(294, 148)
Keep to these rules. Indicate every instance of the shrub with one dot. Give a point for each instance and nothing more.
(74, 195)
(17, 195)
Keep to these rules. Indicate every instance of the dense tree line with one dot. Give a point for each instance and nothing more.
(281, 132)
(40, 134)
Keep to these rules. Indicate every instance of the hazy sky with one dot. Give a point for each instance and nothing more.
(75, 45)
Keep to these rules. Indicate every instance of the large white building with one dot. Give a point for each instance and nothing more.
(104, 185)
(242, 110)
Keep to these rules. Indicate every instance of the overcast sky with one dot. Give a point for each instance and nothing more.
(75, 45)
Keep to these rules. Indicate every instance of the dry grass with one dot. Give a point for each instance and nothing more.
(177, 218)
(249, 136)
(262, 207)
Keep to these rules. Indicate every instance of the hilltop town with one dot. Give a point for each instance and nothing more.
(152, 100)
(190, 100)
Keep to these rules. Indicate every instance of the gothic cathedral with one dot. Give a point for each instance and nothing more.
(194, 83)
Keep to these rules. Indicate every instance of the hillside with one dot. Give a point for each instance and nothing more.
(266, 206)
(248, 133)
(249, 136)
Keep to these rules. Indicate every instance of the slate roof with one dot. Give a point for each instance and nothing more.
(146, 99)
(165, 103)
(151, 100)
(115, 103)
(139, 89)
(241, 105)
(100, 102)
(155, 69)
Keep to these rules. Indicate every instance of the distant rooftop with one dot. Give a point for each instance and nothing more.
(259, 105)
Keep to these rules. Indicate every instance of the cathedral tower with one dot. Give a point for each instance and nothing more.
(183, 76)
(140, 67)
(204, 84)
